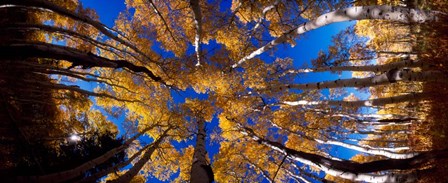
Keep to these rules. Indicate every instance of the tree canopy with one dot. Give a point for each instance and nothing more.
(199, 91)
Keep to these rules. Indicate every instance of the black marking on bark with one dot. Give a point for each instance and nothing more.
(368, 10)
(392, 75)
(380, 13)
(318, 85)
(345, 12)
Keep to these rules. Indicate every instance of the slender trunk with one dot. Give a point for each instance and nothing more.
(379, 141)
(381, 52)
(391, 76)
(163, 19)
(361, 103)
(367, 68)
(234, 12)
(118, 166)
(74, 88)
(366, 118)
(52, 29)
(376, 132)
(385, 12)
(373, 119)
(386, 152)
(380, 151)
(352, 170)
(80, 170)
(263, 173)
(297, 178)
(201, 172)
(302, 171)
(60, 10)
(77, 57)
(198, 25)
(260, 20)
(132, 172)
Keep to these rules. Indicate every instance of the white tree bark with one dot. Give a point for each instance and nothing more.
(373, 151)
(198, 25)
(118, 166)
(367, 68)
(297, 177)
(132, 172)
(263, 16)
(391, 76)
(362, 117)
(372, 119)
(302, 171)
(360, 103)
(392, 153)
(338, 168)
(384, 12)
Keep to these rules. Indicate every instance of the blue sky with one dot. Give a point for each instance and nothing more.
(306, 49)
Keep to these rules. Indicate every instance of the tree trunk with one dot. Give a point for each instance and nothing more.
(198, 26)
(263, 16)
(201, 172)
(109, 170)
(391, 76)
(386, 152)
(52, 29)
(371, 119)
(367, 68)
(361, 103)
(85, 19)
(132, 172)
(385, 12)
(364, 118)
(352, 170)
(77, 57)
(70, 174)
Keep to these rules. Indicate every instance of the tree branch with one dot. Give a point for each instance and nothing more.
(22, 50)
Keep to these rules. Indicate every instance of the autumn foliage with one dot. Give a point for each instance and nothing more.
(199, 91)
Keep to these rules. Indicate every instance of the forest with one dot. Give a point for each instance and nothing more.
(208, 91)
